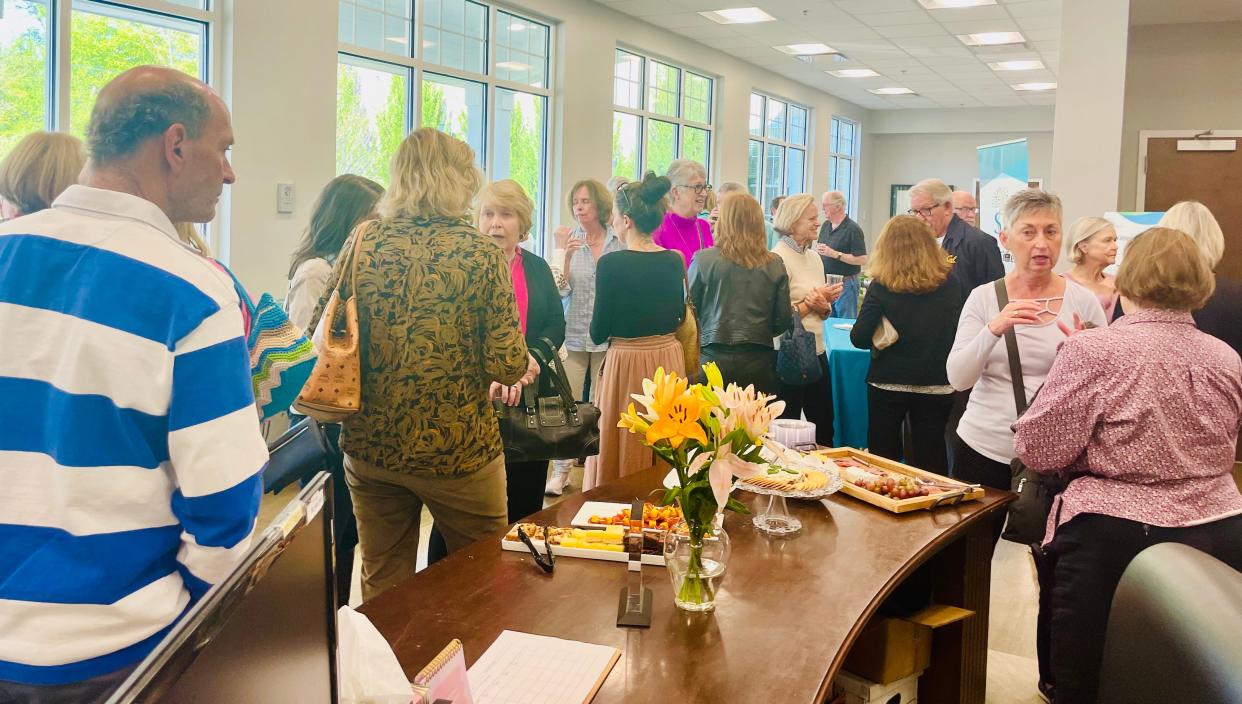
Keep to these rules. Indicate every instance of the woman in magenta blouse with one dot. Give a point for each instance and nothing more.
(683, 230)
(1145, 413)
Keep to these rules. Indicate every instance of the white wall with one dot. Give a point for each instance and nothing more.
(911, 157)
(280, 81)
(1179, 77)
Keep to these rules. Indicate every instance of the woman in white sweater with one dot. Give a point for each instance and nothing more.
(797, 223)
(1043, 309)
(346, 201)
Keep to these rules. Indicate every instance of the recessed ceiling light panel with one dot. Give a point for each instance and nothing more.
(1034, 86)
(853, 73)
(950, 4)
(738, 15)
(991, 38)
(815, 49)
(1016, 65)
(893, 90)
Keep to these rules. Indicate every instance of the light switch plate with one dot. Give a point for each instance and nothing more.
(285, 197)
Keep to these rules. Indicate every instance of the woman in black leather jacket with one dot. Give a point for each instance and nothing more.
(741, 294)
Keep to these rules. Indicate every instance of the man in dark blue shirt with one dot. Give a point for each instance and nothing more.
(843, 248)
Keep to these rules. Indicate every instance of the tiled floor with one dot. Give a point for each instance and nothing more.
(1012, 672)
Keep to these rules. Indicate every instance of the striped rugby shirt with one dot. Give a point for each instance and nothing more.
(130, 451)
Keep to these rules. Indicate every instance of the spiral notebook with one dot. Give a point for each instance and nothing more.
(523, 668)
(445, 678)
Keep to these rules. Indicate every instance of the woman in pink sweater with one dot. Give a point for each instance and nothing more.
(682, 230)
(1145, 414)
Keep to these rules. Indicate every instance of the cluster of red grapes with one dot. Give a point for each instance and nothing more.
(897, 488)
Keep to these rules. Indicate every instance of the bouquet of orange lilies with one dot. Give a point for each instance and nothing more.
(710, 433)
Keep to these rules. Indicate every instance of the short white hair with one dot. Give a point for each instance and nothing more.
(1082, 230)
(1025, 201)
(837, 198)
(730, 187)
(681, 171)
(1194, 219)
(933, 188)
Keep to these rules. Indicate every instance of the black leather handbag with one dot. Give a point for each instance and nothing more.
(548, 427)
(300, 451)
(1028, 516)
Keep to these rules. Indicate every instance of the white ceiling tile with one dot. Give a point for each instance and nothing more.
(973, 26)
(893, 19)
(845, 34)
(1051, 45)
(986, 12)
(1039, 22)
(911, 30)
(872, 7)
(1047, 34)
(1034, 8)
(1049, 98)
(943, 41)
(644, 8)
(684, 19)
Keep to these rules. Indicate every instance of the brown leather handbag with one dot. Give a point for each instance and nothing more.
(334, 390)
(687, 334)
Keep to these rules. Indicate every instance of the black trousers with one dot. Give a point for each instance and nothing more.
(970, 466)
(815, 400)
(524, 482)
(960, 400)
(744, 365)
(928, 414)
(1089, 555)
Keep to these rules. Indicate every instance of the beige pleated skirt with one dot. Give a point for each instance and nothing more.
(627, 363)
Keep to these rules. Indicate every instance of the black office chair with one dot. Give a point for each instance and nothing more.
(1174, 631)
(297, 454)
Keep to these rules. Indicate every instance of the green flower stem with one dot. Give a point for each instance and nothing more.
(694, 588)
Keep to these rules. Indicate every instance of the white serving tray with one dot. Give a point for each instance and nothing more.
(558, 552)
(582, 519)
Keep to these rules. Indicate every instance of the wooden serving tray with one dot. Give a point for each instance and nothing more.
(917, 503)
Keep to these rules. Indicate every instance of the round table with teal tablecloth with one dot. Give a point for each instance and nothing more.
(847, 367)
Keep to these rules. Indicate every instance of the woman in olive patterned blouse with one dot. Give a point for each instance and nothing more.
(439, 323)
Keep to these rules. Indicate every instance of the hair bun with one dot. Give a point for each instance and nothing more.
(653, 188)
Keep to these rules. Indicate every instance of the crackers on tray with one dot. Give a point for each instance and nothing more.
(800, 480)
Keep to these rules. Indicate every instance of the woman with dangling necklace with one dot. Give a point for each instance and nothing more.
(1043, 309)
(640, 300)
(682, 229)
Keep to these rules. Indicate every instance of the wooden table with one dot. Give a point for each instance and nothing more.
(787, 611)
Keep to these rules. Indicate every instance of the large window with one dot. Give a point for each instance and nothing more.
(661, 112)
(843, 160)
(777, 150)
(104, 39)
(472, 70)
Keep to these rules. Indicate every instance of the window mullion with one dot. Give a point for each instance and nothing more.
(63, 15)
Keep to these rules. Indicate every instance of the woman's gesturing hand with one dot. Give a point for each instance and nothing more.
(1016, 313)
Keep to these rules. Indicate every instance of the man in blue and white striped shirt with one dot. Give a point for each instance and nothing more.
(130, 451)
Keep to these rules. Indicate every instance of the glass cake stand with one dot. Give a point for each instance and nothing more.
(775, 519)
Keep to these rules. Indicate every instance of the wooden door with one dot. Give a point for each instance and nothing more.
(1212, 178)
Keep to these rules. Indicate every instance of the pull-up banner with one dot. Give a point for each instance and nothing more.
(1002, 173)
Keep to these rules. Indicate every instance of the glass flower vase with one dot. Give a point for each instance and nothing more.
(696, 557)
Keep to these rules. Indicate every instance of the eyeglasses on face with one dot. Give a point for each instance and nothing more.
(699, 189)
(966, 209)
(922, 212)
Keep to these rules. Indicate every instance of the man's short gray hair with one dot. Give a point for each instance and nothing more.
(933, 188)
(1027, 200)
(730, 187)
(837, 198)
(118, 127)
(682, 171)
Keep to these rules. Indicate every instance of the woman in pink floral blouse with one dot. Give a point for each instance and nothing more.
(1147, 412)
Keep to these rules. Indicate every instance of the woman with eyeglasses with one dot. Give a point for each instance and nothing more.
(640, 300)
(682, 229)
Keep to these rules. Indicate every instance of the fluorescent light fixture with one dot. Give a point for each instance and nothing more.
(815, 49)
(950, 4)
(512, 65)
(893, 90)
(1018, 65)
(991, 38)
(853, 73)
(1034, 86)
(738, 15)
